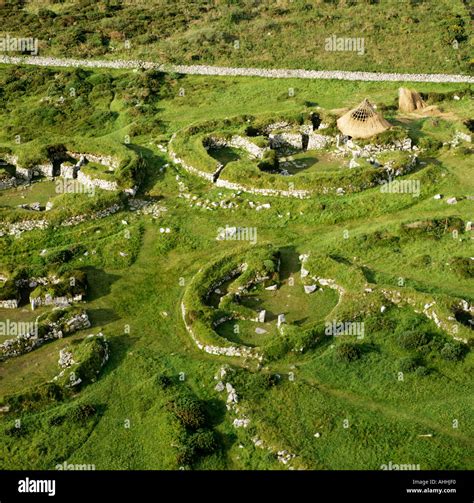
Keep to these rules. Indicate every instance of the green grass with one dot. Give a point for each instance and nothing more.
(41, 192)
(245, 34)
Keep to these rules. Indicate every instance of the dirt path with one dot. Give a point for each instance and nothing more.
(233, 71)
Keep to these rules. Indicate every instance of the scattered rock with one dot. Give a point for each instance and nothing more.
(219, 386)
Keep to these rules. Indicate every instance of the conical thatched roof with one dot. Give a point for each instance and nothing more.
(362, 121)
(409, 100)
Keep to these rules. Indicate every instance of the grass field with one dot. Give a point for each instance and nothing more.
(366, 416)
(285, 34)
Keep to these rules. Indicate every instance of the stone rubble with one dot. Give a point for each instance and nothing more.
(25, 343)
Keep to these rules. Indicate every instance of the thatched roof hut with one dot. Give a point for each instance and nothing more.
(409, 100)
(362, 121)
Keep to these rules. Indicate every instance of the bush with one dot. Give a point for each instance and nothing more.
(81, 412)
(186, 456)
(14, 431)
(429, 143)
(35, 397)
(163, 381)
(422, 371)
(469, 123)
(389, 136)
(57, 420)
(463, 267)
(269, 161)
(453, 351)
(253, 385)
(408, 364)
(413, 339)
(348, 352)
(190, 412)
(203, 442)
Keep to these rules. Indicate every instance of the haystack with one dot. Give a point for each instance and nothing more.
(362, 121)
(409, 100)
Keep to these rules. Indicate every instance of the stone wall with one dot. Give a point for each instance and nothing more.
(17, 228)
(235, 351)
(107, 160)
(191, 169)
(47, 300)
(68, 171)
(282, 140)
(237, 141)
(317, 141)
(276, 73)
(245, 144)
(427, 305)
(300, 194)
(27, 342)
(7, 183)
(96, 182)
(77, 219)
(25, 173)
(45, 169)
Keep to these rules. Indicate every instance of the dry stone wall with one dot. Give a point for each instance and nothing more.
(28, 342)
(107, 160)
(8, 183)
(233, 71)
(96, 182)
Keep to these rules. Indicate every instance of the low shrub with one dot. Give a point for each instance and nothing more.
(348, 352)
(203, 442)
(463, 267)
(422, 371)
(413, 339)
(429, 143)
(81, 412)
(189, 411)
(408, 364)
(163, 381)
(453, 351)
